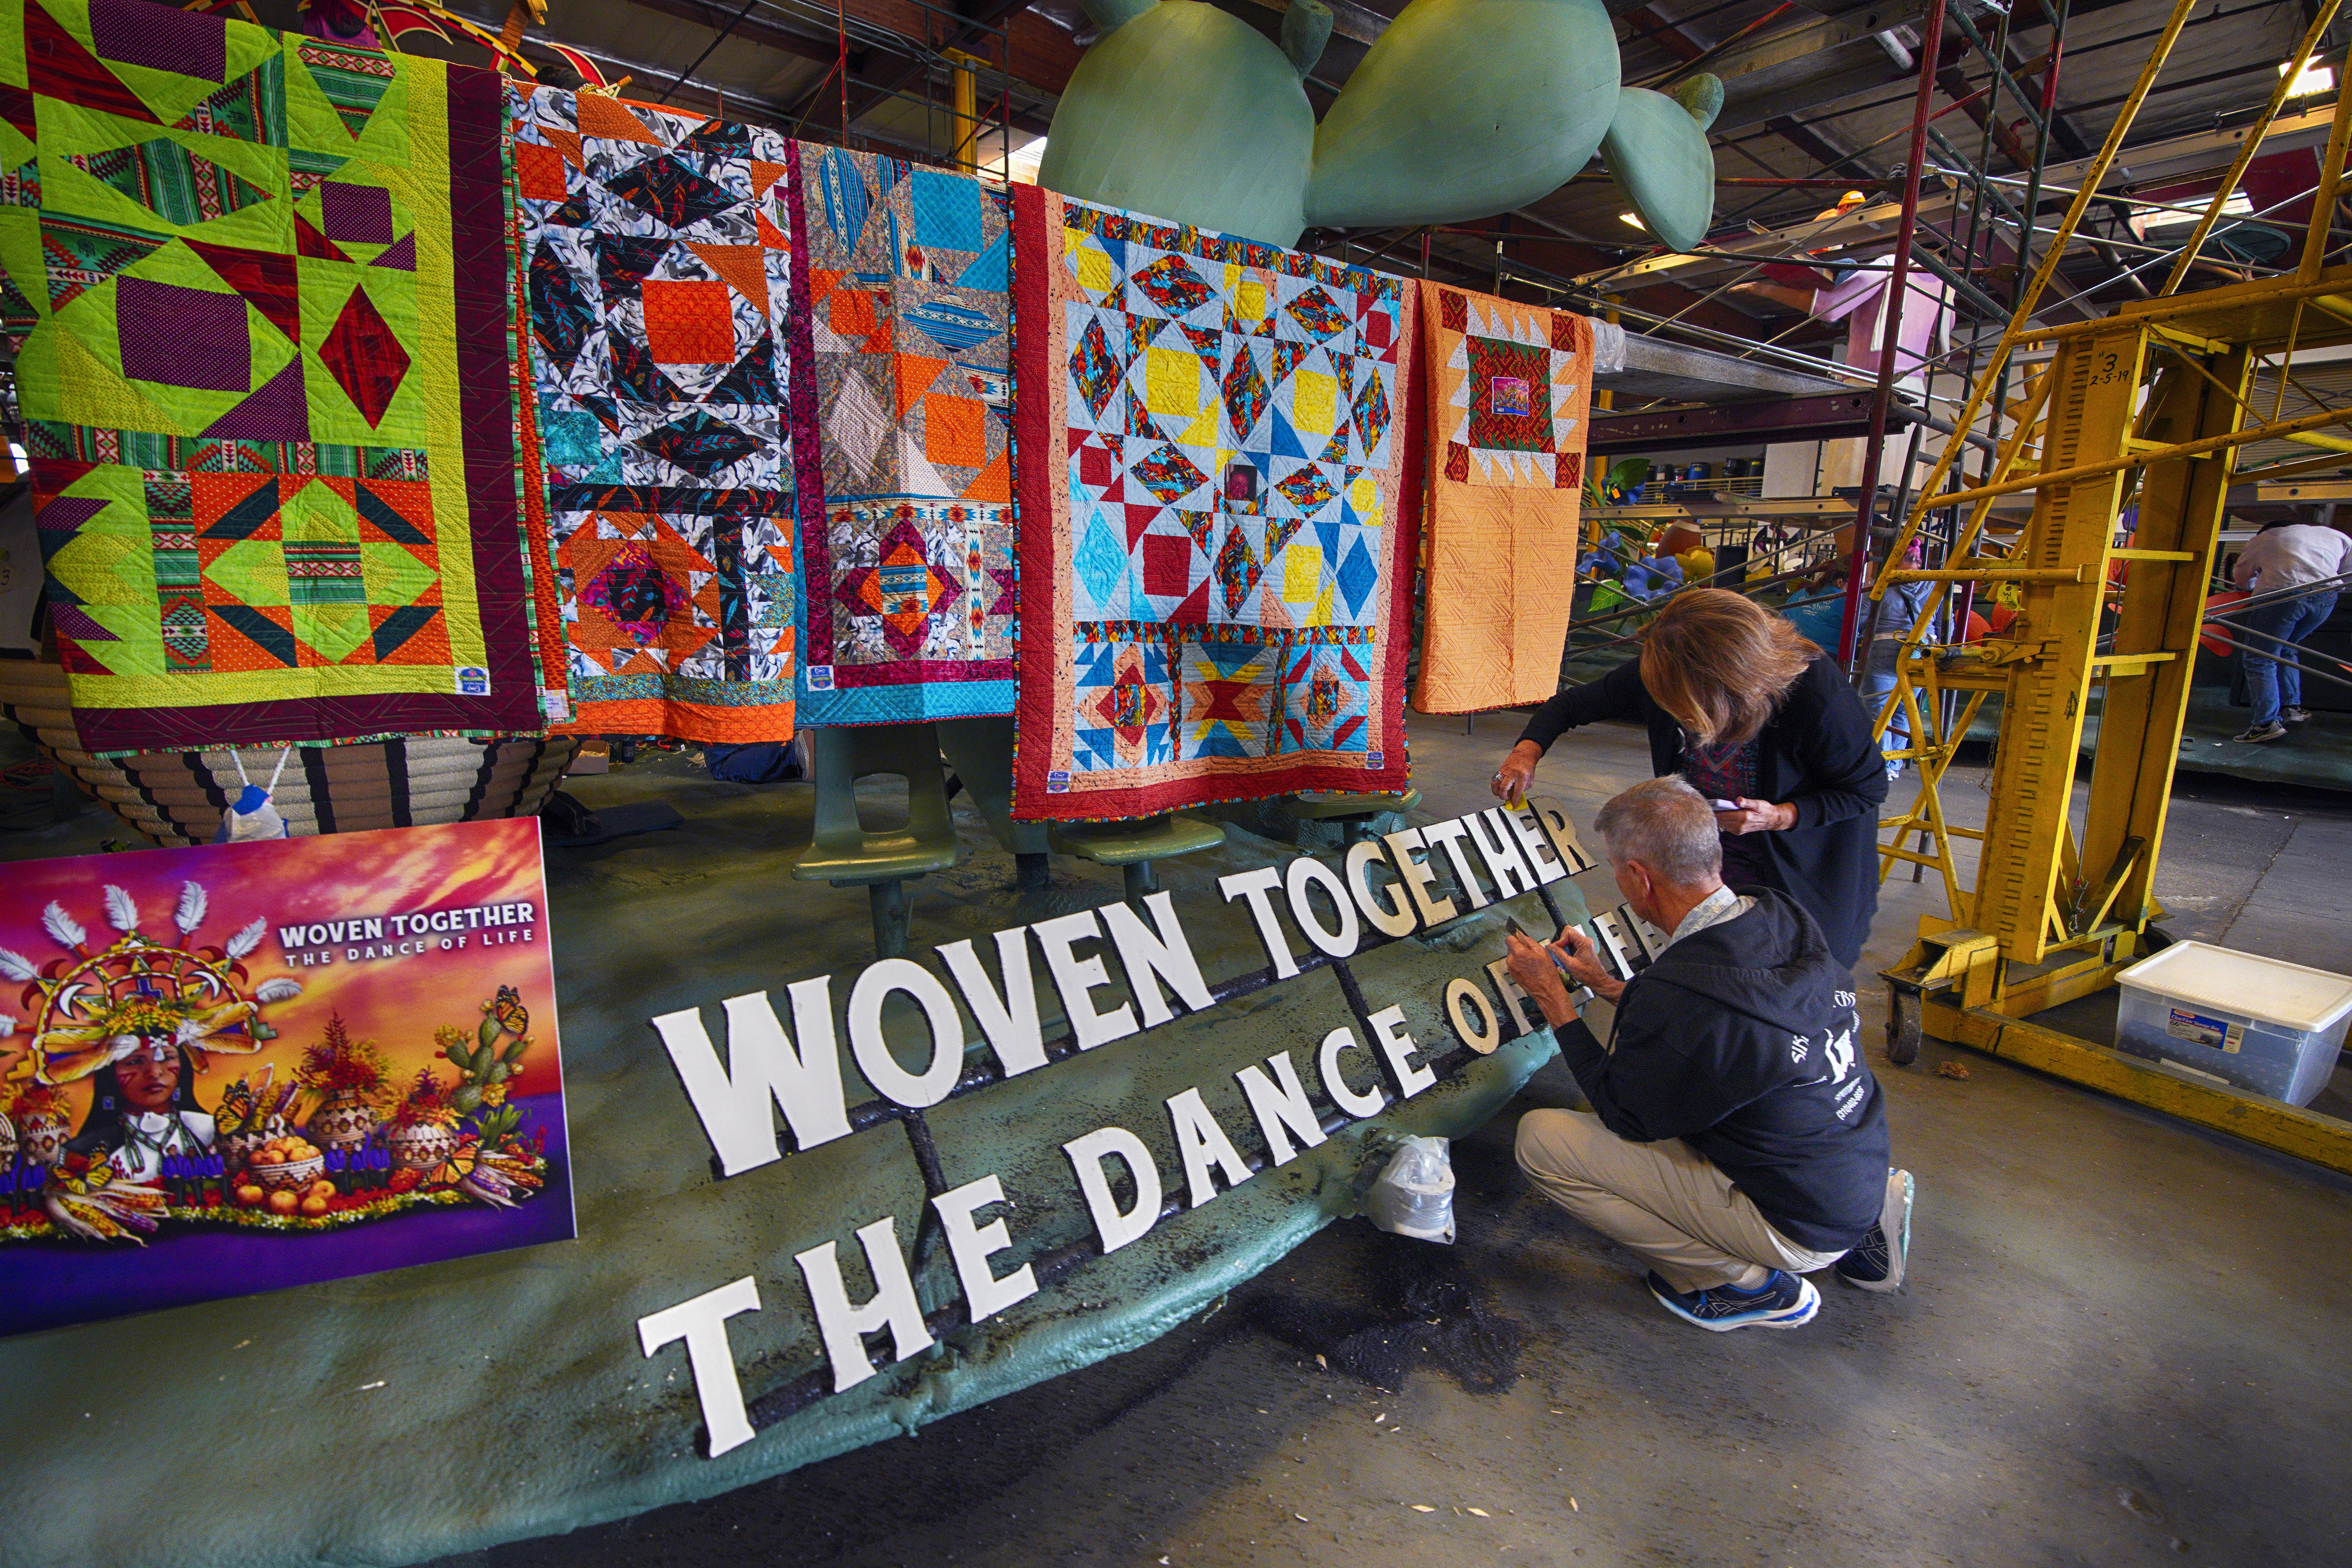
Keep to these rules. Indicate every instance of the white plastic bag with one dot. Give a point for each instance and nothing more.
(1415, 1195)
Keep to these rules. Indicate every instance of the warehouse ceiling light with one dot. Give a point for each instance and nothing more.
(2313, 78)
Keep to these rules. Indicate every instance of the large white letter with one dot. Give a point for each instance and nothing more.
(1200, 1141)
(972, 1246)
(1613, 945)
(1254, 886)
(873, 1052)
(1086, 1156)
(702, 1324)
(1538, 849)
(1562, 833)
(1652, 940)
(894, 1305)
(1419, 877)
(1334, 1082)
(1075, 976)
(761, 1066)
(1388, 1031)
(1153, 956)
(1462, 996)
(1305, 872)
(1281, 1112)
(1010, 1021)
(1390, 914)
(1449, 833)
(1515, 1001)
(1504, 865)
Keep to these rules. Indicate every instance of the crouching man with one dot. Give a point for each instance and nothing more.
(1736, 1140)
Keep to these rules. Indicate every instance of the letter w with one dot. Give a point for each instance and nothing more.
(732, 1097)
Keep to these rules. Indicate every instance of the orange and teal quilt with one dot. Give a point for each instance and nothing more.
(258, 292)
(907, 578)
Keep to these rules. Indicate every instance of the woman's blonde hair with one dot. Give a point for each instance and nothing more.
(1720, 664)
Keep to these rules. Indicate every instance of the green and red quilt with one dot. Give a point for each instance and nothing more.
(256, 286)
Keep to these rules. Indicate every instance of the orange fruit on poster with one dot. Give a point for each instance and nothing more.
(314, 1206)
(250, 1196)
(283, 1203)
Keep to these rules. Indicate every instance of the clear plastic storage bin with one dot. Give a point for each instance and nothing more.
(2257, 1023)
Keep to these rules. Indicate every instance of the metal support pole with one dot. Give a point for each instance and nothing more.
(716, 39)
(2323, 206)
(963, 83)
(1890, 335)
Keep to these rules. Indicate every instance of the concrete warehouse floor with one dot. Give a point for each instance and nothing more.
(2122, 1343)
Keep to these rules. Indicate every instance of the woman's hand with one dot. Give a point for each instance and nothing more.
(1755, 816)
(1518, 772)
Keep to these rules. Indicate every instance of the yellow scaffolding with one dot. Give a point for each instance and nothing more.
(2145, 406)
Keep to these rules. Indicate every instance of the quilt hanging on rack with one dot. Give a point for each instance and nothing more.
(657, 260)
(907, 573)
(258, 293)
(1509, 392)
(1213, 568)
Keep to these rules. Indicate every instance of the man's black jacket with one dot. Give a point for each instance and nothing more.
(1740, 1040)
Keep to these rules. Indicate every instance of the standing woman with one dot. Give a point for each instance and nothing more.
(1753, 715)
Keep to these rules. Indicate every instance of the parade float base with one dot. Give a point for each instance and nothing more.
(401, 1417)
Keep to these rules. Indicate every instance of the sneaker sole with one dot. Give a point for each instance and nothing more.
(1809, 1302)
(1898, 1252)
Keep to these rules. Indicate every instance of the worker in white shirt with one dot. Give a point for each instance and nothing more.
(2286, 555)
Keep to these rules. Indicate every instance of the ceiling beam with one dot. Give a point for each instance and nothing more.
(1358, 24)
(1666, 32)
(753, 30)
(1808, 141)
(972, 35)
(738, 105)
(1821, 60)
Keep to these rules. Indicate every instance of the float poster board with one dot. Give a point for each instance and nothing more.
(237, 1068)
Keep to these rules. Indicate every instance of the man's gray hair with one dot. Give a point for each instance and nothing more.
(1666, 825)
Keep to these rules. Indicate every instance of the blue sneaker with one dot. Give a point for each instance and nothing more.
(1878, 1261)
(1783, 1301)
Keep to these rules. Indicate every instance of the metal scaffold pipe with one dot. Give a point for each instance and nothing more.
(1890, 335)
(1929, 496)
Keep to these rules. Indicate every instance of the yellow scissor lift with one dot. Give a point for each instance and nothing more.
(2150, 405)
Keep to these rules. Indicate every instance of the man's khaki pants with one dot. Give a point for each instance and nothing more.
(1663, 1202)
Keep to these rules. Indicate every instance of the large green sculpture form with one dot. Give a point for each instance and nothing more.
(1462, 109)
